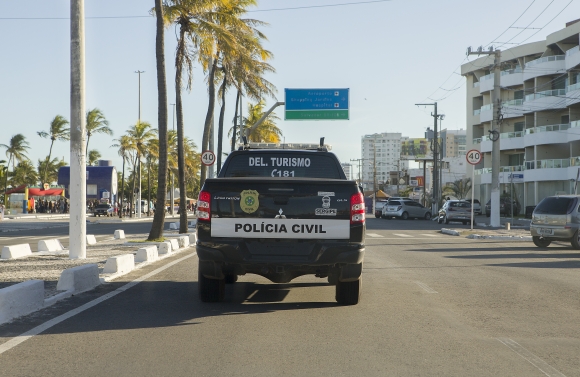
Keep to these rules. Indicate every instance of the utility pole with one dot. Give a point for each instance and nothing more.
(398, 175)
(138, 152)
(434, 194)
(172, 194)
(495, 131)
(78, 169)
(359, 160)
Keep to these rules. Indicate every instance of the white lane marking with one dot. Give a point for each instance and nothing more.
(47, 325)
(530, 357)
(427, 288)
(401, 235)
(374, 235)
(429, 235)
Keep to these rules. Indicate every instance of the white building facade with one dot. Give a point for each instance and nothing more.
(347, 170)
(540, 104)
(381, 155)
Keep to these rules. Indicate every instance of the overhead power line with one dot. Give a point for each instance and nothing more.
(249, 11)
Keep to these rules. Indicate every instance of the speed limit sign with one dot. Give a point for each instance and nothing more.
(473, 157)
(208, 158)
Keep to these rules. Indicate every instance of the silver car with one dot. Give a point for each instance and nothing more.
(405, 209)
(556, 218)
(455, 210)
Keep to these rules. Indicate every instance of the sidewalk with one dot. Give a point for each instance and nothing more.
(90, 218)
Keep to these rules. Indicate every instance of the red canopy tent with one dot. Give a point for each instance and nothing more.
(36, 191)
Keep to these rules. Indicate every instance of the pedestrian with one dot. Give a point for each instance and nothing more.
(1, 212)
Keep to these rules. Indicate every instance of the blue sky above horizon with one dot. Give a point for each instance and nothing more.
(391, 54)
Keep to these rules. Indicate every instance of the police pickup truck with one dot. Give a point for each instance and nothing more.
(281, 213)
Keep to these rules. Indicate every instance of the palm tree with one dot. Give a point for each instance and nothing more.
(52, 168)
(24, 174)
(58, 131)
(156, 231)
(97, 124)
(459, 188)
(140, 134)
(15, 151)
(267, 132)
(94, 157)
(125, 146)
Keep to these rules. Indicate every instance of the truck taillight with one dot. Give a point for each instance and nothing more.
(357, 208)
(203, 208)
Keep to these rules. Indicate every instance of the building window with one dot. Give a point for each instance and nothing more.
(92, 190)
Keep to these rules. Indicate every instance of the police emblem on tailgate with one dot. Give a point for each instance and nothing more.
(249, 201)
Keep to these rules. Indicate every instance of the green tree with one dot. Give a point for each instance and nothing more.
(97, 124)
(58, 130)
(94, 157)
(24, 174)
(15, 151)
(51, 168)
(125, 146)
(267, 132)
(459, 188)
(140, 134)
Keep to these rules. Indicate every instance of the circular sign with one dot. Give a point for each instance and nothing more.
(208, 158)
(473, 157)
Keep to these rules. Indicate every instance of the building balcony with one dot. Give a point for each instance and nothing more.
(486, 83)
(546, 100)
(486, 113)
(512, 77)
(513, 108)
(573, 93)
(548, 65)
(572, 57)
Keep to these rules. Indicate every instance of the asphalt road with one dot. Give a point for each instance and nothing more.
(432, 305)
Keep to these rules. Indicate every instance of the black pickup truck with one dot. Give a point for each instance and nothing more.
(281, 214)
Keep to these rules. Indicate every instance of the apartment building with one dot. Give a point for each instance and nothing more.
(383, 153)
(540, 104)
(453, 143)
(347, 167)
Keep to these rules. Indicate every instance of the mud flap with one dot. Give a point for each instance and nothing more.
(211, 269)
(350, 272)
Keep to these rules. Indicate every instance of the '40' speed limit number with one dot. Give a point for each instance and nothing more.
(473, 157)
(207, 158)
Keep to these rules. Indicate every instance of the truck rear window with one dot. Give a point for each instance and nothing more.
(555, 206)
(283, 165)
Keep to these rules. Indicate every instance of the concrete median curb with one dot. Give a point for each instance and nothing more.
(79, 279)
(16, 251)
(499, 237)
(450, 232)
(21, 299)
(50, 245)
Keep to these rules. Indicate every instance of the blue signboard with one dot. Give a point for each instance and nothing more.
(316, 104)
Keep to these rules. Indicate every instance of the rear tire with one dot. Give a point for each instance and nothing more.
(210, 290)
(427, 216)
(231, 278)
(446, 220)
(439, 220)
(576, 240)
(542, 242)
(348, 293)
(405, 216)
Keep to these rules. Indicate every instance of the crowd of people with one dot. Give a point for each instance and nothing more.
(48, 206)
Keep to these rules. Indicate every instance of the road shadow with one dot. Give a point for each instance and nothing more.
(162, 304)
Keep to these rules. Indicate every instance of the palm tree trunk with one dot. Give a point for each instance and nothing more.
(180, 137)
(208, 119)
(47, 161)
(221, 125)
(88, 138)
(122, 191)
(132, 204)
(6, 181)
(234, 137)
(156, 231)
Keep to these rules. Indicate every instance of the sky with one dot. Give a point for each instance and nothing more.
(390, 54)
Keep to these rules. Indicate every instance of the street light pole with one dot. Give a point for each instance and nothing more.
(435, 204)
(138, 152)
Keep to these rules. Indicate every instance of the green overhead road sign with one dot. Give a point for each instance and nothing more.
(316, 104)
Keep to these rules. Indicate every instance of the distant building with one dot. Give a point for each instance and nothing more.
(381, 154)
(347, 167)
(453, 142)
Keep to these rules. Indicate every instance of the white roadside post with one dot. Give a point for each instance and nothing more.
(474, 158)
(78, 183)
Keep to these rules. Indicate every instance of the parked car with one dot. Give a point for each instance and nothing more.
(476, 206)
(556, 218)
(104, 210)
(405, 209)
(505, 207)
(379, 208)
(455, 210)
